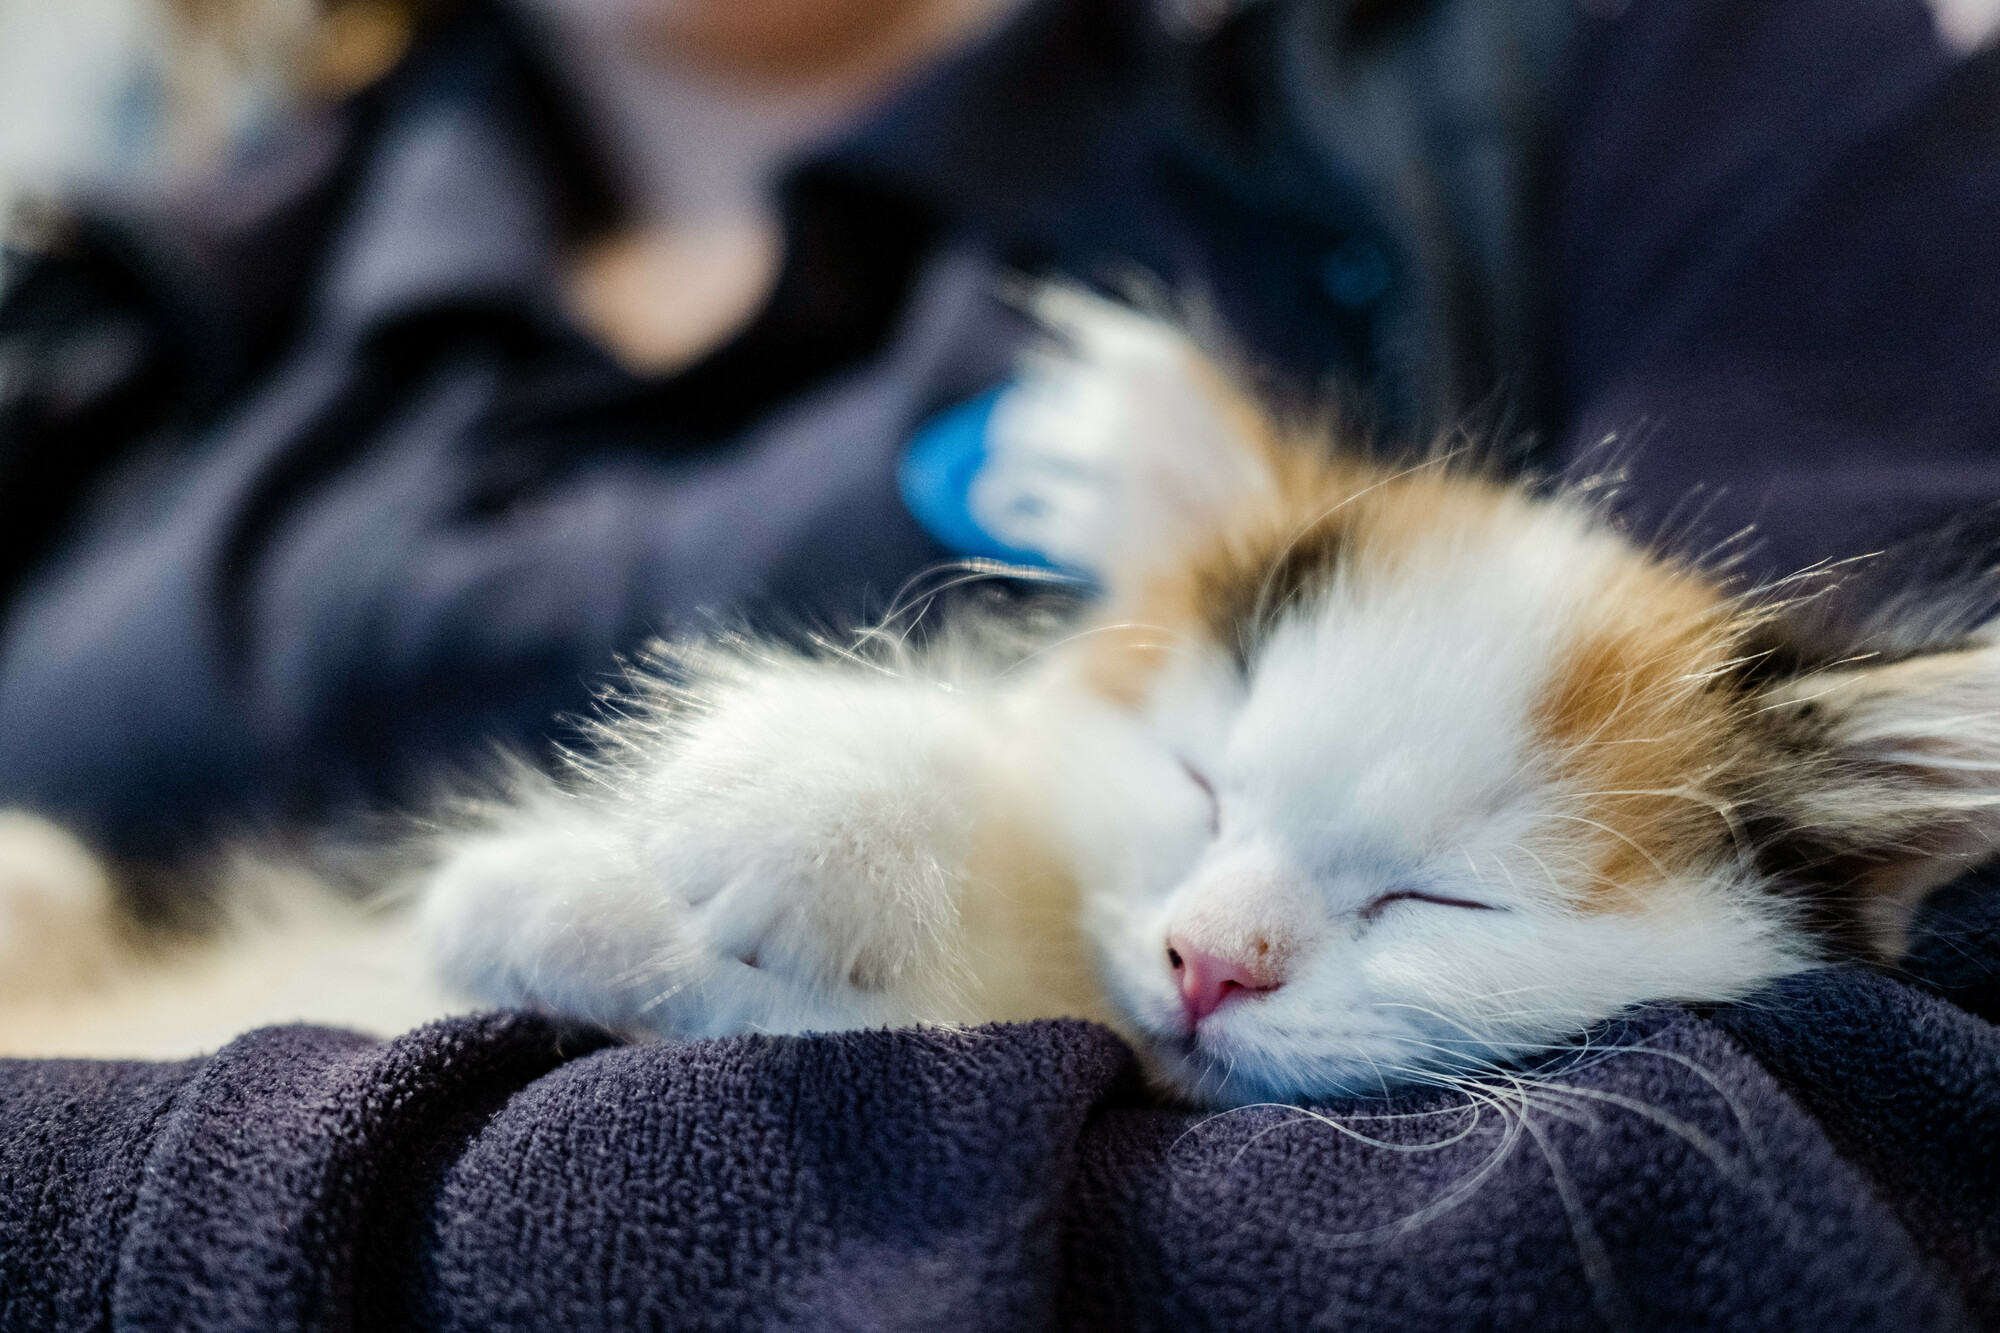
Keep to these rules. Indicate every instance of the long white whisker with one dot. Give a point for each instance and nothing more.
(1590, 1249)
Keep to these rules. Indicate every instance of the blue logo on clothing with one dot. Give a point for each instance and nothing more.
(944, 460)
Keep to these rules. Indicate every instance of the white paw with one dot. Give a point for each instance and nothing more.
(1115, 444)
(58, 919)
(791, 865)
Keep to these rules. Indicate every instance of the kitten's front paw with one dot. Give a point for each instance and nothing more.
(852, 920)
(747, 884)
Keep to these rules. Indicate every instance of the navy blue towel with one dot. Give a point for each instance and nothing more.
(1826, 1157)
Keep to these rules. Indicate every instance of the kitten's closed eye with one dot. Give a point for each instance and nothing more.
(1383, 902)
(1208, 790)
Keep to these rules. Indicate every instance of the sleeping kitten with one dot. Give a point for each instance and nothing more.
(1351, 775)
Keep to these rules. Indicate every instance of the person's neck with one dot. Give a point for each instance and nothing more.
(695, 145)
(699, 156)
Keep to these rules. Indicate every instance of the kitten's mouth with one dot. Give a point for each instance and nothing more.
(1235, 1068)
(1194, 1049)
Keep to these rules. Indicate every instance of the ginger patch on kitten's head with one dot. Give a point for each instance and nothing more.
(1639, 718)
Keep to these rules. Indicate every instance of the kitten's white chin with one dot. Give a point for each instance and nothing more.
(1227, 1073)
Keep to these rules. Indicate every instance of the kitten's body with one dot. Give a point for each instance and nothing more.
(1351, 776)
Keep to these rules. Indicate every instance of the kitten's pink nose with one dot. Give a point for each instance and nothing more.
(1209, 980)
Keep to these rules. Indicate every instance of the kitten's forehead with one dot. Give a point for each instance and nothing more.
(1401, 697)
(1412, 693)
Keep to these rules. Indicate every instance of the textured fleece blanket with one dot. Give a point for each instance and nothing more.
(1825, 1158)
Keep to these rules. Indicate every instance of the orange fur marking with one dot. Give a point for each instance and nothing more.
(1324, 515)
(1636, 723)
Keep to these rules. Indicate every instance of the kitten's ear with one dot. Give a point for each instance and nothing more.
(1911, 797)
(1121, 443)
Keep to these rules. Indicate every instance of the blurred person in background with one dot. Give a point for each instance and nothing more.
(580, 321)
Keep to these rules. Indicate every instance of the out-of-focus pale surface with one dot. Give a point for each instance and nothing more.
(1967, 24)
(66, 69)
(59, 925)
(296, 952)
(118, 91)
(200, 1003)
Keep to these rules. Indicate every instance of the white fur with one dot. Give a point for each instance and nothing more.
(789, 861)
(1102, 455)
(1924, 737)
(816, 817)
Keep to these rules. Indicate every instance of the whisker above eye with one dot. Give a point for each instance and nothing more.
(1382, 902)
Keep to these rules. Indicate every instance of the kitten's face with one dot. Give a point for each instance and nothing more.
(1447, 796)
(1415, 772)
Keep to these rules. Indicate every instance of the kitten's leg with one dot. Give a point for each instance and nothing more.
(782, 852)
